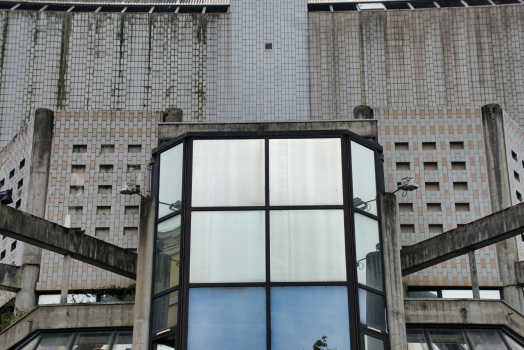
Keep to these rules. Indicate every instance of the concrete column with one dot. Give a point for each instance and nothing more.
(144, 275)
(393, 272)
(500, 195)
(65, 279)
(473, 273)
(363, 112)
(36, 205)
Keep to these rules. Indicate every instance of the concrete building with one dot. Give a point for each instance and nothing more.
(345, 102)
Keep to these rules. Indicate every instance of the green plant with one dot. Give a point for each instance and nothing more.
(117, 293)
(320, 344)
(9, 318)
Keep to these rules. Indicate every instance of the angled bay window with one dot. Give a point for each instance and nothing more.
(271, 242)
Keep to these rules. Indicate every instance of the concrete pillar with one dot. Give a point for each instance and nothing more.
(363, 112)
(500, 195)
(473, 274)
(36, 205)
(172, 115)
(393, 272)
(144, 275)
(65, 279)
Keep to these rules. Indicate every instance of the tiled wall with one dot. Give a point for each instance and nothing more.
(514, 136)
(443, 149)
(216, 68)
(93, 154)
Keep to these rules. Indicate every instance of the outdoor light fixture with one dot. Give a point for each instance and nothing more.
(407, 184)
(130, 188)
(6, 197)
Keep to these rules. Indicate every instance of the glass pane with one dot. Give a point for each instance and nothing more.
(167, 260)
(124, 341)
(372, 343)
(490, 294)
(55, 341)
(304, 316)
(307, 245)
(372, 309)
(447, 339)
(457, 294)
(92, 340)
(227, 318)
(416, 339)
(30, 345)
(228, 173)
(369, 255)
(80, 298)
(170, 187)
(423, 294)
(165, 312)
(47, 299)
(512, 343)
(228, 246)
(486, 339)
(305, 172)
(364, 178)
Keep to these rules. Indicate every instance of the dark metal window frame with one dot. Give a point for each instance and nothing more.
(501, 331)
(357, 329)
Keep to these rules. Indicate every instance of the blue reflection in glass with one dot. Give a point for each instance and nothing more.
(301, 316)
(227, 318)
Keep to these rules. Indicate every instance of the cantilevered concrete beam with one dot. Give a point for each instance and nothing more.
(10, 277)
(48, 235)
(475, 235)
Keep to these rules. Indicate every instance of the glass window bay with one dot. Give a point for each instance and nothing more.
(265, 241)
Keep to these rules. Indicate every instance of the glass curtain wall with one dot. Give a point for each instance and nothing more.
(260, 244)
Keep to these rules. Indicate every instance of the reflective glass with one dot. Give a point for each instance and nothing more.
(372, 343)
(486, 339)
(167, 259)
(305, 172)
(490, 294)
(369, 254)
(170, 187)
(457, 293)
(512, 343)
(228, 173)
(55, 341)
(307, 245)
(165, 312)
(227, 246)
(447, 339)
(92, 340)
(416, 339)
(364, 178)
(47, 299)
(372, 309)
(30, 345)
(303, 316)
(124, 341)
(423, 294)
(227, 318)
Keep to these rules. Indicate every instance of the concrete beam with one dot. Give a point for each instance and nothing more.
(364, 128)
(453, 312)
(10, 277)
(70, 316)
(48, 235)
(480, 233)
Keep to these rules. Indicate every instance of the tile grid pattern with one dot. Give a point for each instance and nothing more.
(92, 156)
(416, 126)
(216, 68)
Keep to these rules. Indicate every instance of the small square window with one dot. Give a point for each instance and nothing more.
(13, 246)
(516, 175)
(519, 196)
(2, 255)
(514, 156)
(2, 182)
(268, 46)
(12, 173)
(22, 163)
(18, 204)
(20, 183)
